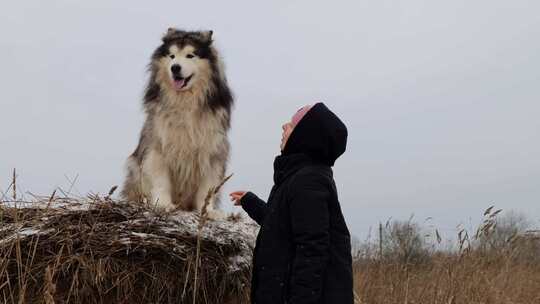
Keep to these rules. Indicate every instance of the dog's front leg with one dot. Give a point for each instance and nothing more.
(157, 174)
(210, 180)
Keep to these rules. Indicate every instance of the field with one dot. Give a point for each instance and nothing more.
(498, 263)
(473, 278)
(97, 250)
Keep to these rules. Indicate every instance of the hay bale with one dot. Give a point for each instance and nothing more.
(98, 250)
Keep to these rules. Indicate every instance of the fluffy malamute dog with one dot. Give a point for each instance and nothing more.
(183, 147)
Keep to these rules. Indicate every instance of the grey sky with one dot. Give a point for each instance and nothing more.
(441, 98)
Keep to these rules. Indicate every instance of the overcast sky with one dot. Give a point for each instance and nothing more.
(441, 98)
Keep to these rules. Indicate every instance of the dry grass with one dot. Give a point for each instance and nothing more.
(98, 250)
(473, 278)
(494, 265)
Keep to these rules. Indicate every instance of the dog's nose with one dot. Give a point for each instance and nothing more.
(176, 68)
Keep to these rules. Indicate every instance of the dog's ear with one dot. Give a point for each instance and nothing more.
(172, 33)
(207, 36)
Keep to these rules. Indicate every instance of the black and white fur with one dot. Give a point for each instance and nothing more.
(183, 148)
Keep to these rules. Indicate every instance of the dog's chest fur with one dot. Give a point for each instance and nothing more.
(186, 133)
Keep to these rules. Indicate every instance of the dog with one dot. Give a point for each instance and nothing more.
(183, 148)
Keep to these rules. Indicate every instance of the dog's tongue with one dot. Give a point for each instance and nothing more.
(178, 84)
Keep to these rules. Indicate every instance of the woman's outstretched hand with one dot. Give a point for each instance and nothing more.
(236, 196)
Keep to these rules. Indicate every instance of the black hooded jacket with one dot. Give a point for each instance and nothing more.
(303, 249)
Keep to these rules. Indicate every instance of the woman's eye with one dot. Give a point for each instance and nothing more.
(190, 55)
(171, 56)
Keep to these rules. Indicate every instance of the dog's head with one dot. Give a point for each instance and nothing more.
(184, 60)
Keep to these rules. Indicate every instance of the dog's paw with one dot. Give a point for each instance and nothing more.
(235, 217)
(163, 207)
(216, 215)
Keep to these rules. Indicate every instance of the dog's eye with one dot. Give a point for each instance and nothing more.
(190, 56)
(171, 56)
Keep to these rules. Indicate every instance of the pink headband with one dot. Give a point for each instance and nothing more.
(300, 114)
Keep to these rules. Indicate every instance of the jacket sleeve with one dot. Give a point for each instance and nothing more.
(311, 237)
(254, 206)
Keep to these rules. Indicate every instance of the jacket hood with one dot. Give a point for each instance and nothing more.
(320, 134)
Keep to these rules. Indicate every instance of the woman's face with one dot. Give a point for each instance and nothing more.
(287, 130)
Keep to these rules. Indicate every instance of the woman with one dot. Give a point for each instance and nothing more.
(303, 250)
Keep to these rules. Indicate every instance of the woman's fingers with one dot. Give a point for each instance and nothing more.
(241, 193)
(236, 196)
(236, 200)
